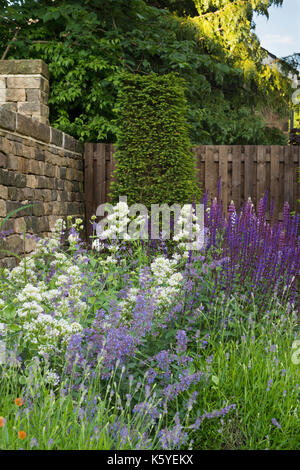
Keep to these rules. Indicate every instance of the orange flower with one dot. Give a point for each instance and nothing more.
(19, 401)
(2, 421)
(22, 435)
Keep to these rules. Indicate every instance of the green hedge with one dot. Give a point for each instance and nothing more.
(155, 163)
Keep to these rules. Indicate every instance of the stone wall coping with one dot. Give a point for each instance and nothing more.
(24, 67)
(29, 127)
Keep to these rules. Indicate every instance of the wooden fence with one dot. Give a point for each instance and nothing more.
(245, 171)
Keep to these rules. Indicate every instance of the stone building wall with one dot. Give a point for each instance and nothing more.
(40, 165)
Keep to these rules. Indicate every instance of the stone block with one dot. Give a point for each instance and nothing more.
(29, 108)
(56, 172)
(31, 224)
(41, 132)
(14, 193)
(44, 86)
(24, 82)
(3, 176)
(48, 208)
(69, 143)
(3, 160)
(43, 224)
(33, 167)
(8, 224)
(12, 162)
(23, 164)
(38, 208)
(49, 170)
(25, 125)
(44, 110)
(42, 119)
(16, 179)
(30, 245)
(32, 181)
(2, 82)
(63, 172)
(2, 95)
(44, 195)
(2, 208)
(33, 94)
(3, 192)
(54, 195)
(79, 147)
(52, 221)
(8, 263)
(15, 243)
(15, 94)
(12, 205)
(24, 67)
(9, 106)
(20, 225)
(29, 127)
(7, 119)
(17, 148)
(28, 193)
(40, 155)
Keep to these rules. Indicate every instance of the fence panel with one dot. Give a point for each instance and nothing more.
(245, 171)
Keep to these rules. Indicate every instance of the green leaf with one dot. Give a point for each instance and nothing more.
(215, 380)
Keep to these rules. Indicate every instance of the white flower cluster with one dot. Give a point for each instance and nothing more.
(66, 280)
(29, 310)
(74, 237)
(97, 245)
(108, 261)
(49, 334)
(51, 378)
(30, 293)
(60, 226)
(46, 246)
(167, 282)
(26, 270)
(118, 222)
(165, 285)
(46, 311)
(117, 227)
(162, 268)
(190, 230)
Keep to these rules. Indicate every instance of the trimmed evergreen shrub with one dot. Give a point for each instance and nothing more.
(155, 163)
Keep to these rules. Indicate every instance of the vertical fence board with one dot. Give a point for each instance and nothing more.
(223, 174)
(288, 175)
(210, 183)
(236, 175)
(249, 173)
(112, 166)
(197, 156)
(261, 173)
(276, 152)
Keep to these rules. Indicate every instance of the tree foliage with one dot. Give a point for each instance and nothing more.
(88, 43)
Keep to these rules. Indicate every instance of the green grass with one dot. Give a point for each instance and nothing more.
(253, 369)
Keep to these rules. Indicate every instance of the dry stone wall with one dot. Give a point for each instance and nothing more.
(40, 165)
